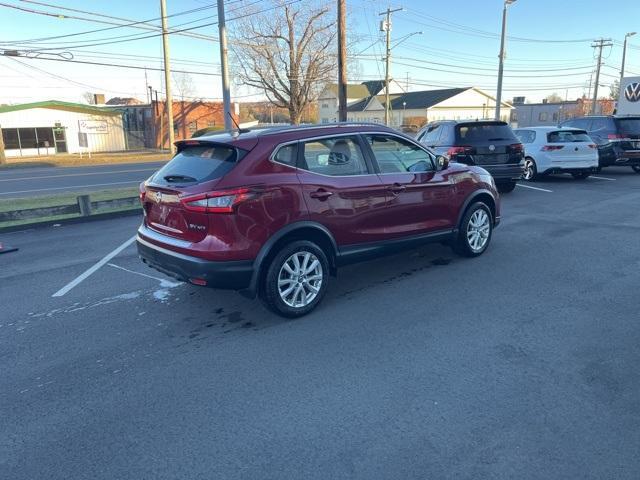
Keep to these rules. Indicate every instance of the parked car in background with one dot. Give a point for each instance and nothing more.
(617, 137)
(557, 150)
(489, 144)
(275, 212)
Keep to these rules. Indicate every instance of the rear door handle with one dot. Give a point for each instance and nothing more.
(320, 194)
(397, 188)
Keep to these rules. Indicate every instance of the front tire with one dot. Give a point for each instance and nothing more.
(506, 187)
(474, 232)
(581, 175)
(636, 168)
(530, 170)
(296, 280)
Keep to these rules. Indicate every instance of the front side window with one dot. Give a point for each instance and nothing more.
(337, 156)
(397, 155)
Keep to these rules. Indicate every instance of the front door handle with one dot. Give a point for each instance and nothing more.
(321, 194)
(397, 188)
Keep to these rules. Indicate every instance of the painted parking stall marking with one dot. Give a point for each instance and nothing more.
(534, 188)
(602, 178)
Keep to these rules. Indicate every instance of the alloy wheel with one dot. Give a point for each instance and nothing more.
(300, 279)
(478, 230)
(528, 170)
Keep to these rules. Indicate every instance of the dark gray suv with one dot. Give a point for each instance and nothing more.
(489, 144)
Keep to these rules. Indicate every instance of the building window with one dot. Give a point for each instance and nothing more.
(45, 137)
(193, 126)
(514, 116)
(28, 138)
(555, 116)
(211, 124)
(10, 137)
(542, 116)
(325, 120)
(325, 105)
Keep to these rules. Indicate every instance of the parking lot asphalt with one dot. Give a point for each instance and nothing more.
(522, 363)
(37, 181)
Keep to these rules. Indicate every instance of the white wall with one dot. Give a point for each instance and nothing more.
(112, 141)
(470, 104)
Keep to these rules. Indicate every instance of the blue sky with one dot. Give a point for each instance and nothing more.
(458, 47)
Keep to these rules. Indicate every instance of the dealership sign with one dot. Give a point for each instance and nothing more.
(629, 99)
(93, 126)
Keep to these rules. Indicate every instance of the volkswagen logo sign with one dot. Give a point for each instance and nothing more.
(492, 148)
(632, 92)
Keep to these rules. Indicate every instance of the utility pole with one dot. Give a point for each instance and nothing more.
(167, 78)
(624, 56)
(226, 95)
(502, 56)
(3, 158)
(385, 26)
(342, 61)
(599, 44)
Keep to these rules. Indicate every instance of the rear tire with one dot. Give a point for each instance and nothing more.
(296, 279)
(530, 170)
(506, 187)
(636, 168)
(474, 231)
(581, 175)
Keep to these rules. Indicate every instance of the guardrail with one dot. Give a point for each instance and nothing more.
(83, 207)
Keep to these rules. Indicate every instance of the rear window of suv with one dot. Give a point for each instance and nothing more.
(484, 132)
(567, 136)
(628, 126)
(197, 164)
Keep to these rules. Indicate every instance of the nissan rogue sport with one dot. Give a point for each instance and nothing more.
(275, 212)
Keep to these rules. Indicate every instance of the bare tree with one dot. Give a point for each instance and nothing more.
(286, 52)
(184, 86)
(89, 98)
(553, 98)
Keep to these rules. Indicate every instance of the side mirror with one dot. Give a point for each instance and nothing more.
(442, 162)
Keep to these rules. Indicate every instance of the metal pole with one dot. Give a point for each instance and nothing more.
(226, 95)
(167, 76)
(342, 61)
(624, 56)
(501, 64)
(386, 68)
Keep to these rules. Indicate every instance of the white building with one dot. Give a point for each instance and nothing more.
(51, 127)
(429, 105)
(328, 99)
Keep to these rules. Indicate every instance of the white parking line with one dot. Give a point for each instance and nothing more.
(162, 281)
(534, 188)
(83, 276)
(72, 187)
(602, 178)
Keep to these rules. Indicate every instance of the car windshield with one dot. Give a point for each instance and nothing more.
(628, 126)
(197, 164)
(568, 136)
(485, 132)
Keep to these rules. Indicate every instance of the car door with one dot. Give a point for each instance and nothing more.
(341, 189)
(420, 198)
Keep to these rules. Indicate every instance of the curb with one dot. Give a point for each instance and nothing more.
(71, 221)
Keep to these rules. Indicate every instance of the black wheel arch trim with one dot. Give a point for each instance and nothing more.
(252, 290)
(473, 198)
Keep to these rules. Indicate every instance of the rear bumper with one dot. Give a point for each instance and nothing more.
(505, 172)
(231, 275)
(611, 155)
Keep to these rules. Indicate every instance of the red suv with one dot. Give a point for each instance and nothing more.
(275, 212)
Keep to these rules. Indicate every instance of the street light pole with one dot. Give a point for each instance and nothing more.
(342, 61)
(386, 27)
(226, 94)
(502, 55)
(624, 56)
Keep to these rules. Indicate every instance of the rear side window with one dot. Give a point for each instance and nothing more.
(628, 126)
(338, 156)
(567, 136)
(197, 164)
(433, 135)
(484, 132)
(525, 136)
(286, 155)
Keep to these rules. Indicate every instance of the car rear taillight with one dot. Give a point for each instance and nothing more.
(549, 148)
(463, 150)
(142, 192)
(593, 145)
(517, 147)
(615, 136)
(217, 202)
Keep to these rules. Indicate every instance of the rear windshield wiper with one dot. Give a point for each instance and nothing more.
(179, 178)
